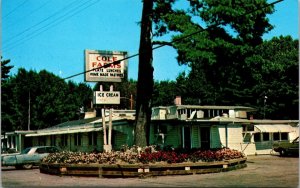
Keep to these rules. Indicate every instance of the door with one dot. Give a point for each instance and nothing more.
(205, 137)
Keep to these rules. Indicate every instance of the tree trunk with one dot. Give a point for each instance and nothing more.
(145, 78)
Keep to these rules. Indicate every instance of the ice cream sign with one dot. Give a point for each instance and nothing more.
(105, 66)
(106, 97)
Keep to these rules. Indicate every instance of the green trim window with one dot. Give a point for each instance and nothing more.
(52, 140)
(64, 139)
(77, 139)
(256, 137)
(276, 136)
(92, 138)
(42, 140)
(266, 136)
(284, 136)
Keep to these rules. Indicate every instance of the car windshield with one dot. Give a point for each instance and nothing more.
(25, 151)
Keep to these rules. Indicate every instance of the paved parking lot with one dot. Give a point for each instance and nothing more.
(261, 171)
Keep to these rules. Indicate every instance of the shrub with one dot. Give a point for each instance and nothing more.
(143, 155)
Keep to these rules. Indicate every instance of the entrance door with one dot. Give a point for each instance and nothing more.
(205, 137)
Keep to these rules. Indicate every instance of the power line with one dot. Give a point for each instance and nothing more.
(52, 24)
(42, 21)
(176, 40)
(30, 13)
(14, 10)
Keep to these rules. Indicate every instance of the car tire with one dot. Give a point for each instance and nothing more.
(18, 167)
(283, 152)
(27, 166)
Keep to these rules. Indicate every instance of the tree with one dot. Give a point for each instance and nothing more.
(5, 69)
(197, 49)
(214, 38)
(230, 63)
(164, 93)
(274, 81)
(145, 77)
(40, 100)
(6, 100)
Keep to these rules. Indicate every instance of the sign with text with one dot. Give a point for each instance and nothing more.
(96, 59)
(106, 97)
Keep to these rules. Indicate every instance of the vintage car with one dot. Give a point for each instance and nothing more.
(286, 147)
(28, 158)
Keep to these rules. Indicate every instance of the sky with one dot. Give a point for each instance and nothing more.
(53, 34)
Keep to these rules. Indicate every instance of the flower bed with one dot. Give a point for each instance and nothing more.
(144, 156)
(141, 162)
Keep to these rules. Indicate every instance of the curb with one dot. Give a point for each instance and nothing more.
(141, 170)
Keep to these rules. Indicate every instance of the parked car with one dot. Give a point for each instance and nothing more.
(286, 147)
(28, 158)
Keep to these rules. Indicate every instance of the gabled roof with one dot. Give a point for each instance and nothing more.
(79, 126)
(211, 107)
(74, 123)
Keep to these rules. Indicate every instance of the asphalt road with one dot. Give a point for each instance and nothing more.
(261, 171)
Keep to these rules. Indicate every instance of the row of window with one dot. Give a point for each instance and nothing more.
(206, 113)
(92, 139)
(270, 136)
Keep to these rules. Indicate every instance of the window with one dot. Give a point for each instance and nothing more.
(40, 150)
(77, 139)
(275, 136)
(25, 151)
(52, 140)
(42, 141)
(64, 140)
(92, 138)
(257, 137)
(284, 136)
(266, 136)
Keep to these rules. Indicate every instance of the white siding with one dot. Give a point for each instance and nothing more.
(248, 148)
(234, 136)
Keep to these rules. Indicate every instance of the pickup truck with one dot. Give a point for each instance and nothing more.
(286, 147)
(28, 157)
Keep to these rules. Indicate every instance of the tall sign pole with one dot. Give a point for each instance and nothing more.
(110, 127)
(106, 66)
(104, 127)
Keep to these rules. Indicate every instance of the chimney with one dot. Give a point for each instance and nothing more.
(177, 100)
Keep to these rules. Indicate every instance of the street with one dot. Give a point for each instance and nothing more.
(261, 171)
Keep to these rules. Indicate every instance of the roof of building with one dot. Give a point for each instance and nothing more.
(216, 107)
(74, 123)
(83, 125)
